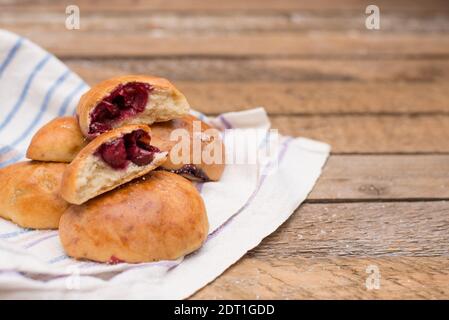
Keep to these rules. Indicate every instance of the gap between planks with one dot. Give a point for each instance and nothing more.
(66, 44)
(224, 22)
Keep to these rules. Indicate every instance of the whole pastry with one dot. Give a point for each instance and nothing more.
(60, 140)
(131, 99)
(30, 194)
(110, 160)
(208, 163)
(159, 217)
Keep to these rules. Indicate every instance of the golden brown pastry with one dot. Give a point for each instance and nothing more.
(43, 145)
(30, 194)
(60, 140)
(111, 159)
(158, 217)
(210, 143)
(132, 99)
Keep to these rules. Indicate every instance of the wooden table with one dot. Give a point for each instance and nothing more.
(379, 97)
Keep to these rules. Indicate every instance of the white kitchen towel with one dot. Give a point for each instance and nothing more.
(250, 201)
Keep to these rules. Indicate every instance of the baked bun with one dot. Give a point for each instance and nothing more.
(60, 140)
(30, 194)
(198, 168)
(111, 159)
(132, 99)
(158, 217)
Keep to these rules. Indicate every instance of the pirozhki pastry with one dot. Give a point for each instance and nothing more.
(208, 163)
(30, 194)
(132, 99)
(60, 140)
(158, 217)
(111, 159)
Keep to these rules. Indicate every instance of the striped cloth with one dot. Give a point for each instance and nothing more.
(35, 87)
(246, 205)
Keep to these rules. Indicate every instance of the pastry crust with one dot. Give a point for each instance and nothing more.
(161, 138)
(60, 140)
(30, 194)
(88, 175)
(158, 217)
(174, 106)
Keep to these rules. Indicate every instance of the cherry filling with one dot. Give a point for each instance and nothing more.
(132, 147)
(115, 260)
(193, 171)
(125, 101)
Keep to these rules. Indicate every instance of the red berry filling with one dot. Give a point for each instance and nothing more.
(125, 101)
(115, 260)
(132, 147)
(193, 171)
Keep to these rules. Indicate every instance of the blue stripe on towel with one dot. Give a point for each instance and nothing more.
(14, 233)
(10, 55)
(24, 92)
(68, 99)
(35, 242)
(36, 120)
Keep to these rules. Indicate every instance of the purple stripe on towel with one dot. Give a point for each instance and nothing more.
(255, 192)
(199, 186)
(225, 122)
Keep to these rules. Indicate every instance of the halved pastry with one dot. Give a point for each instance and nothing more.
(30, 194)
(60, 140)
(196, 150)
(110, 160)
(132, 99)
(158, 217)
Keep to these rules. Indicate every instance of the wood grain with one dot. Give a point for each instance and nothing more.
(293, 86)
(222, 71)
(218, 5)
(361, 230)
(369, 134)
(214, 23)
(386, 177)
(331, 278)
(337, 97)
(316, 44)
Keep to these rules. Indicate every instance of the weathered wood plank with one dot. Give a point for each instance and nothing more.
(318, 97)
(371, 134)
(389, 177)
(316, 44)
(331, 278)
(361, 229)
(293, 86)
(269, 70)
(223, 23)
(217, 5)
